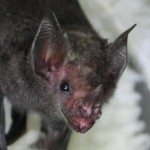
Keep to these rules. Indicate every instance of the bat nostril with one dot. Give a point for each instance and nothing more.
(86, 111)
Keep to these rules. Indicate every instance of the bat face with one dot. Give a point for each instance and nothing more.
(79, 102)
(81, 113)
(81, 71)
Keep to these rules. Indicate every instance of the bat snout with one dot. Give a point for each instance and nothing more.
(93, 111)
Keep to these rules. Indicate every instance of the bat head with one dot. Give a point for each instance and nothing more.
(80, 69)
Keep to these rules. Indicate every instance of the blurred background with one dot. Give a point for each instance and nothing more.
(125, 123)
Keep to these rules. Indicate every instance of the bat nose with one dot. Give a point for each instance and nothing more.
(86, 111)
(93, 111)
(90, 105)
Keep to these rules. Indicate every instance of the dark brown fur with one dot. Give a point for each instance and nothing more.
(38, 54)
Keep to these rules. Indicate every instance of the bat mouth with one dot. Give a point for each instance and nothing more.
(80, 124)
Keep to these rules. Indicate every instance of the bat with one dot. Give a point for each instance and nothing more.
(53, 62)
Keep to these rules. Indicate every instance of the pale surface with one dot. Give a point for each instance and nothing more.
(119, 124)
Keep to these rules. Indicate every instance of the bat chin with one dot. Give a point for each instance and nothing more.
(80, 124)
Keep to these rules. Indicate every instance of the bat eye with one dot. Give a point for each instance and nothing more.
(64, 87)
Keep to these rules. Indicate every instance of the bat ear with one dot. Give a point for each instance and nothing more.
(117, 59)
(49, 47)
